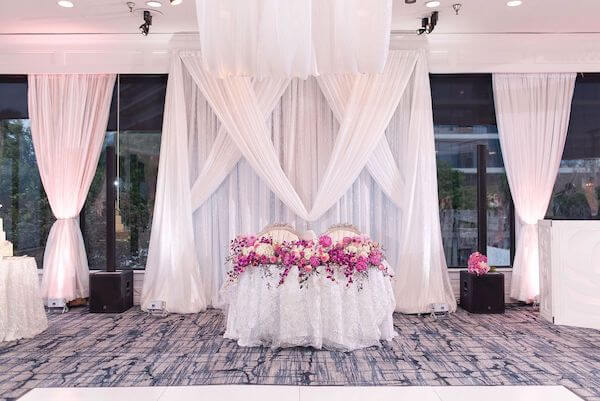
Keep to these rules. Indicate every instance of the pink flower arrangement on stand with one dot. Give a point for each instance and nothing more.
(353, 256)
(478, 264)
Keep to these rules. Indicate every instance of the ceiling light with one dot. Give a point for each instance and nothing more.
(154, 4)
(65, 3)
(514, 3)
(432, 4)
(175, 2)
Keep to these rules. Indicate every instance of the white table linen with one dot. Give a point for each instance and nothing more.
(22, 313)
(321, 314)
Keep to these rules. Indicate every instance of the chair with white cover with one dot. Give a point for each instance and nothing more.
(280, 232)
(337, 232)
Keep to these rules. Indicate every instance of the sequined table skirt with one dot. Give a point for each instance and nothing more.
(22, 313)
(319, 314)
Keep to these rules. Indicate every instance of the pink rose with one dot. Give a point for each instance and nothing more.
(314, 261)
(307, 268)
(325, 257)
(325, 241)
(273, 259)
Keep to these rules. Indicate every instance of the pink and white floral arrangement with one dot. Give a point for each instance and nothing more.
(353, 256)
(478, 264)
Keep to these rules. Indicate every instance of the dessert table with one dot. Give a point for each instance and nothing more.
(319, 313)
(22, 313)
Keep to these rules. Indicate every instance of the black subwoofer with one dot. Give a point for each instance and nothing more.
(482, 294)
(111, 292)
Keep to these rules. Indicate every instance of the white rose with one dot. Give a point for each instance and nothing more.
(364, 254)
(308, 253)
(264, 250)
(245, 251)
(352, 249)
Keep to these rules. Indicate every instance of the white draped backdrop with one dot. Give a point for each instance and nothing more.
(533, 117)
(239, 154)
(69, 114)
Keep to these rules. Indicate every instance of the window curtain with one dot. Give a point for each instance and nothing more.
(69, 115)
(288, 143)
(533, 117)
(270, 38)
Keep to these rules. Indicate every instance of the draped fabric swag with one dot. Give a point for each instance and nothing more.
(303, 164)
(68, 114)
(301, 38)
(533, 117)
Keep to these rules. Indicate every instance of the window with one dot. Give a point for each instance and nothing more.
(134, 132)
(465, 125)
(576, 193)
(25, 211)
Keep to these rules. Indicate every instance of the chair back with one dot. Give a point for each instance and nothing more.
(337, 232)
(280, 232)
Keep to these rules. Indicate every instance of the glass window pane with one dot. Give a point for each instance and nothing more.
(576, 193)
(464, 117)
(25, 211)
(93, 220)
(140, 123)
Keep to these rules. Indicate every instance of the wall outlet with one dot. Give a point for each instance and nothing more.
(56, 303)
(439, 308)
(156, 306)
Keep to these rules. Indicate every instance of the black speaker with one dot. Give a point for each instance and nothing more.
(482, 294)
(111, 292)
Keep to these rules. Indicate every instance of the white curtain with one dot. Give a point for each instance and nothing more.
(69, 115)
(422, 275)
(533, 116)
(172, 272)
(287, 142)
(271, 38)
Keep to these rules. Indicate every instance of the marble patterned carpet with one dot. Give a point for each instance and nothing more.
(135, 349)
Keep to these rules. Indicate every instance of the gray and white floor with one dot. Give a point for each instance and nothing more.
(174, 357)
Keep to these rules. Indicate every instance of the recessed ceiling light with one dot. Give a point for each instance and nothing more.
(175, 2)
(154, 4)
(65, 3)
(514, 3)
(432, 4)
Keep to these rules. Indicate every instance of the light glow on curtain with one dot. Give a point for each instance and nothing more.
(69, 115)
(533, 117)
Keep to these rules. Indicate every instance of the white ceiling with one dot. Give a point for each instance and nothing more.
(476, 16)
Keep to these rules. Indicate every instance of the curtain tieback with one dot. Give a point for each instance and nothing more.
(67, 218)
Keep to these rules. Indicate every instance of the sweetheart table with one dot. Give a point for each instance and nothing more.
(22, 313)
(318, 313)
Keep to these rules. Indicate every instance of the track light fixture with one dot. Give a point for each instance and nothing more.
(428, 24)
(145, 27)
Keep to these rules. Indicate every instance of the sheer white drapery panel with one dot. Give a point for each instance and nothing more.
(533, 117)
(224, 153)
(234, 101)
(422, 272)
(172, 271)
(69, 115)
(367, 112)
(271, 38)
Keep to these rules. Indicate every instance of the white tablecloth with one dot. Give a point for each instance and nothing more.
(322, 314)
(22, 313)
